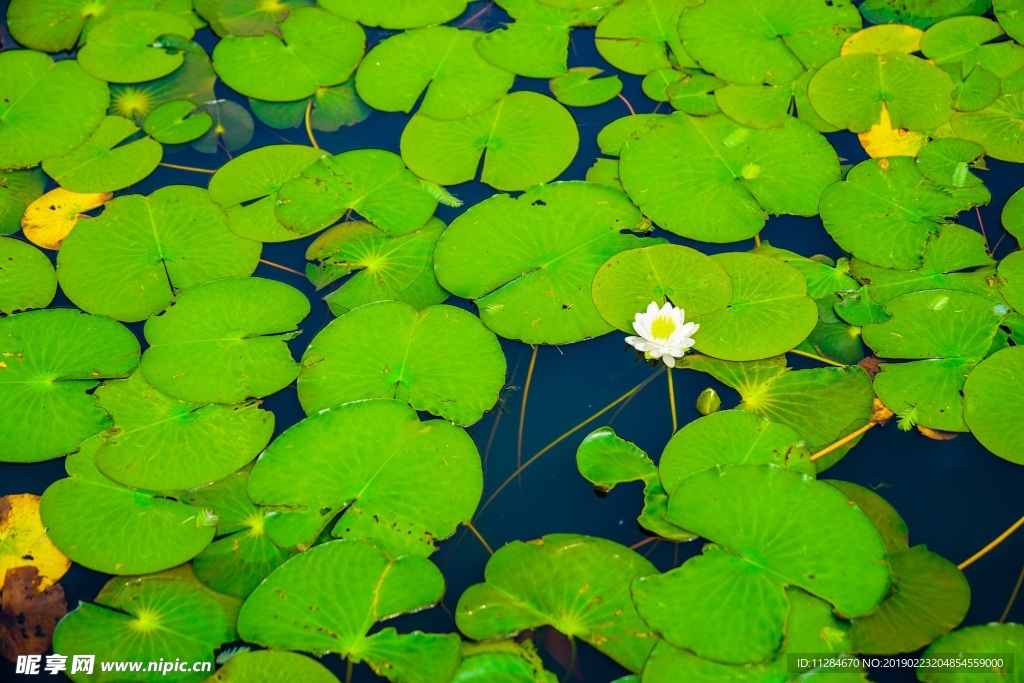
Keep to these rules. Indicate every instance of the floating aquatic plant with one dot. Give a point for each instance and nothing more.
(219, 521)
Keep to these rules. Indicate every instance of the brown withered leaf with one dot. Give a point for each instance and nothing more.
(27, 616)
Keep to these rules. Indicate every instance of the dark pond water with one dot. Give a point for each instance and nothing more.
(954, 496)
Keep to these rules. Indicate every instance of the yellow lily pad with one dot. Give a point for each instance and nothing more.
(883, 39)
(885, 141)
(52, 217)
(24, 543)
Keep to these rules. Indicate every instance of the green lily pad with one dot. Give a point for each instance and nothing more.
(110, 159)
(849, 92)
(225, 341)
(247, 187)
(158, 442)
(132, 47)
(1011, 275)
(883, 515)
(232, 127)
(955, 258)
(614, 136)
(975, 89)
(398, 482)
(945, 334)
(316, 49)
(332, 108)
(999, 127)
(606, 460)
(811, 628)
(141, 618)
(713, 180)
(731, 437)
(382, 268)
(1013, 215)
(929, 597)
(537, 287)
(751, 42)
(886, 211)
(440, 360)
(27, 279)
(57, 25)
(18, 189)
(707, 587)
(247, 17)
(441, 62)
(177, 122)
(242, 554)
(743, 508)
(690, 90)
(630, 280)
(396, 14)
(578, 87)
(971, 642)
(949, 161)
(270, 666)
(524, 139)
(49, 107)
(502, 661)
(920, 13)
(967, 42)
(371, 182)
(51, 360)
(821, 405)
(770, 312)
(98, 523)
(993, 404)
(327, 598)
(192, 81)
(641, 36)
(129, 262)
(1010, 17)
(536, 44)
(771, 106)
(576, 584)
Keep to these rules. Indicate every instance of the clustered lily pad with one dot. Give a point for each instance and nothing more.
(221, 521)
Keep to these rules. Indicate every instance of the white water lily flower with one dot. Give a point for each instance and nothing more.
(663, 333)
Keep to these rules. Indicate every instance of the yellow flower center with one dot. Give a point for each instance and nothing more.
(662, 327)
(132, 103)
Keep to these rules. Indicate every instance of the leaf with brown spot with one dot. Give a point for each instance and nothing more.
(28, 615)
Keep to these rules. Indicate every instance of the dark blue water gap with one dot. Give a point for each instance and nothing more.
(955, 496)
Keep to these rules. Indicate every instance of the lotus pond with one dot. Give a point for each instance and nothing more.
(313, 338)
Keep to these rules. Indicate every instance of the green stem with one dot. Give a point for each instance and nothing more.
(672, 401)
(817, 358)
(560, 439)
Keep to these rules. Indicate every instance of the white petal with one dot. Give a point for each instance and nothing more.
(669, 361)
(652, 309)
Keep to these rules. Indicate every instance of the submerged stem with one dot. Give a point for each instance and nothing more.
(522, 409)
(817, 358)
(1013, 596)
(280, 267)
(672, 401)
(991, 546)
(562, 438)
(178, 167)
(309, 125)
(641, 544)
(483, 542)
(628, 104)
(757, 239)
(572, 659)
(349, 665)
(843, 441)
